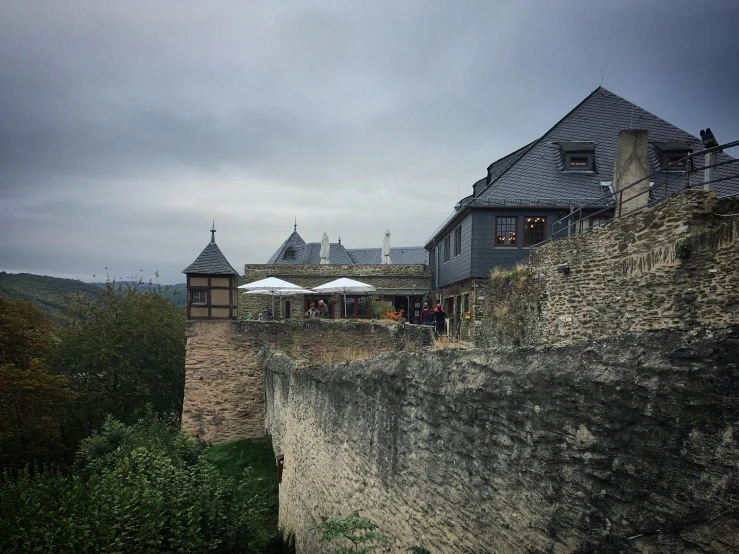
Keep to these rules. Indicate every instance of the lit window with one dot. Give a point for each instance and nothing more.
(447, 248)
(199, 297)
(289, 254)
(457, 241)
(534, 230)
(505, 231)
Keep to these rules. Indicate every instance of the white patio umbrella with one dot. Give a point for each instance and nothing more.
(386, 248)
(270, 284)
(344, 286)
(280, 293)
(325, 249)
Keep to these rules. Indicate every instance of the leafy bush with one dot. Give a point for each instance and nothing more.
(104, 449)
(359, 531)
(381, 310)
(138, 493)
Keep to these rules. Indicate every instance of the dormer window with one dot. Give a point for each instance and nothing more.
(289, 254)
(576, 156)
(675, 161)
(671, 155)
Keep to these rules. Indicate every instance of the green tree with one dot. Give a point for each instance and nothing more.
(124, 350)
(358, 530)
(26, 334)
(144, 488)
(32, 401)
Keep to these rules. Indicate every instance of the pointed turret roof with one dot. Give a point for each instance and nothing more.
(211, 261)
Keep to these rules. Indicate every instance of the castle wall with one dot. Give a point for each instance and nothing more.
(624, 277)
(625, 444)
(224, 383)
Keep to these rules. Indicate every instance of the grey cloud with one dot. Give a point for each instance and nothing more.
(125, 127)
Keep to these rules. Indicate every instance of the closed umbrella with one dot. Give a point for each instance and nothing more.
(325, 250)
(280, 293)
(386, 248)
(344, 286)
(270, 284)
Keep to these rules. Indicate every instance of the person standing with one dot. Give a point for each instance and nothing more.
(439, 319)
(427, 316)
(312, 312)
(323, 309)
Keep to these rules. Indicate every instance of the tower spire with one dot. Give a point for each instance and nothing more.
(295, 227)
(213, 232)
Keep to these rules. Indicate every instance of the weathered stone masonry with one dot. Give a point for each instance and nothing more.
(224, 383)
(627, 276)
(620, 439)
(566, 450)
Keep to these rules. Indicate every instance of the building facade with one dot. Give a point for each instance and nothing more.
(561, 183)
(403, 283)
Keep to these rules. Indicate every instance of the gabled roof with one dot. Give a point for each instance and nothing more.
(535, 177)
(211, 261)
(294, 242)
(398, 255)
(310, 253)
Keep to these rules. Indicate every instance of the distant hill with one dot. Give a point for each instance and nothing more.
(52, 293)
(49, 293)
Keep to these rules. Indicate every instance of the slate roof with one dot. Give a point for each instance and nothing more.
(211, 261)
(294, 241)
(398, 255)
(310, 253)
(534, 177)
(499, 166)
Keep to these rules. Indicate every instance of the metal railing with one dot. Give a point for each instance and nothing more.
(681, 169)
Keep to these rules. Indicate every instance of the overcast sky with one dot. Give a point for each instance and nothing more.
(126, 127)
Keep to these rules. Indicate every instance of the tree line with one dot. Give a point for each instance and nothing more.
(118, 353)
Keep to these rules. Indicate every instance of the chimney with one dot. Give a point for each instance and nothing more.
(632, 164)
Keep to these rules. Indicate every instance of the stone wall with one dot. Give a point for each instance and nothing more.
(626, 276)
(389, 279)
(224, 383)
(626, 444)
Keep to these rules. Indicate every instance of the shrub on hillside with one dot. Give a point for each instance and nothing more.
(140, 489)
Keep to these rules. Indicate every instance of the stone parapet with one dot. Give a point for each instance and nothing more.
(224, 391)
